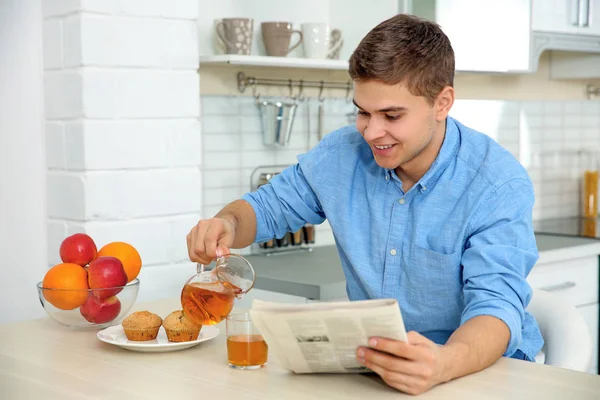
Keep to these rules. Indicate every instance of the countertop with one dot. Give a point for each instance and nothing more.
(569, 226)
(41, 359)
(318, 275)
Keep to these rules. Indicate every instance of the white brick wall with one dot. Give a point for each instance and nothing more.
(123, 133)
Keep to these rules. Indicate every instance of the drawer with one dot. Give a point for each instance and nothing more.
(590, 314)
(576, 281)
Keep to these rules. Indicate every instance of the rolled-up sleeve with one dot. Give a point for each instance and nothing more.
(499, 254)
(285, 204)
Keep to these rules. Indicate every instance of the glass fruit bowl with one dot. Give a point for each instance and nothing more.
(89, 308)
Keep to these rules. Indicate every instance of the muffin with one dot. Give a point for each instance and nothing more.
(179, 328)
(141, 326)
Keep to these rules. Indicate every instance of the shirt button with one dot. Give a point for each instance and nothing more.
(402, 201)
(393, 252)
(424, 188)
(387, 177)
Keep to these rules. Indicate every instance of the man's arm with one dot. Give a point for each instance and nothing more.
(499, 254)
(241, 215)
(476, 345)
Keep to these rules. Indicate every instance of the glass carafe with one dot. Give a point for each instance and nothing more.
(207, 297)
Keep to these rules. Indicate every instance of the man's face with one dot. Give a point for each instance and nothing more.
(396, 124)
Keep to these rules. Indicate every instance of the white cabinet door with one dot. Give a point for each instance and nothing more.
(591, 21)
(566, 16)
(575, 281)
(487, 36)
(560, 16)
(590, 314)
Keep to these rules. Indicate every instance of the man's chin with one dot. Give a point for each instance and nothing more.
(386, 164)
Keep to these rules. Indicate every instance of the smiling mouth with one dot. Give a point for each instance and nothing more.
(383, 147)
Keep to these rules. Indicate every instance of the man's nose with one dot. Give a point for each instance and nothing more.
(373, 130)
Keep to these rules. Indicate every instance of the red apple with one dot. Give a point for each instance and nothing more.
(100, 311)
(106, 272)
(78, 249)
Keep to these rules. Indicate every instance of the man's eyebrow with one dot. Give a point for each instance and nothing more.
(387, 109)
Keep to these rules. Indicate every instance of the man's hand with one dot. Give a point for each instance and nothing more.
(210, 238)
(412, 367)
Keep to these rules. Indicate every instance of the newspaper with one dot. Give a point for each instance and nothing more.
(324, 337)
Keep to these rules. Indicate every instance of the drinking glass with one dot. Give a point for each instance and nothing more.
(246, 348)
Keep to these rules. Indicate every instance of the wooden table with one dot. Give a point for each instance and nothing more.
(41, 359)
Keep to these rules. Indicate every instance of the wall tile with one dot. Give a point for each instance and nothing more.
(220, 124)
(55, 145)
(216, 142)
(125, 93)
(65, 195)
(62, 94)
(53, 8)
(57, 232)
(219, 179)
(221, 160)
(123, 195)
(71, 41)
(220, 105)
(52, 42)
(148, 236)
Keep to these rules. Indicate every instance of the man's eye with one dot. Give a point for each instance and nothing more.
(363, 113)
(392, 117)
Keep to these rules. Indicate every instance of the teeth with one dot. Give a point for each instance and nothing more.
(383, 147)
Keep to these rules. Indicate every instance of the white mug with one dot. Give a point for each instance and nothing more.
(320, 40)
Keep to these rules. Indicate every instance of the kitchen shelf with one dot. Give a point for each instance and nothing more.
(267, 61)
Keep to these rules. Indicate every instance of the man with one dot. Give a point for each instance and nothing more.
(423, 209)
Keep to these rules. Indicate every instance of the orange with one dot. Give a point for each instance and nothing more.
(129, 256)
(71, 282)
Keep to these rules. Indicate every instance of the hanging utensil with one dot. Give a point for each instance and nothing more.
(320, 112)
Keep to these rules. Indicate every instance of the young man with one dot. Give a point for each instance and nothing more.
(423, 209)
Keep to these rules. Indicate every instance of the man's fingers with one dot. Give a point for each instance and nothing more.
(398, 348)
(198, 252)
(388, 361)
(211, 238)
(206, 238)
(222, 250)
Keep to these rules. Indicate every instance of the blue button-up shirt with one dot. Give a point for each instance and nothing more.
(458, 244)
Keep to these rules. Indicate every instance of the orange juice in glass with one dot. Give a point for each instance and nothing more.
(246, 348)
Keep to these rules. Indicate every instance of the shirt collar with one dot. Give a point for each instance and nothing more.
(445, 156)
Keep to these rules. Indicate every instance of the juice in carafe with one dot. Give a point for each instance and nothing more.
(208, 303)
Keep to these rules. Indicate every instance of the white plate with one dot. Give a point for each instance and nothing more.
(115, 335)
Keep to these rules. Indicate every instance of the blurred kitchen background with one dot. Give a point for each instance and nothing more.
(128, 120)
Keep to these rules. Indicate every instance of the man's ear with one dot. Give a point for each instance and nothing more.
(443, 103)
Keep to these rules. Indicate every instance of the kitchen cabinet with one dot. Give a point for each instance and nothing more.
(576, 282)
(571, 29)
(478, 31)
(580, 17)
(590, 315)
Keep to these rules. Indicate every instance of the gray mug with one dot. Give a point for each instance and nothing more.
(277, 36)
(236, 34)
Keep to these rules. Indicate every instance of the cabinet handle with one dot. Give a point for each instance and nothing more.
(560, 286)
(575, 9)
(584, 13)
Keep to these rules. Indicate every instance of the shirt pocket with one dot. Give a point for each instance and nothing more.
(433, 282)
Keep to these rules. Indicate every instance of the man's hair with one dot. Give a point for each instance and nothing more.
(408, 50)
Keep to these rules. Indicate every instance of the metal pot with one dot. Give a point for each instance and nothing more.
(277, 119)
